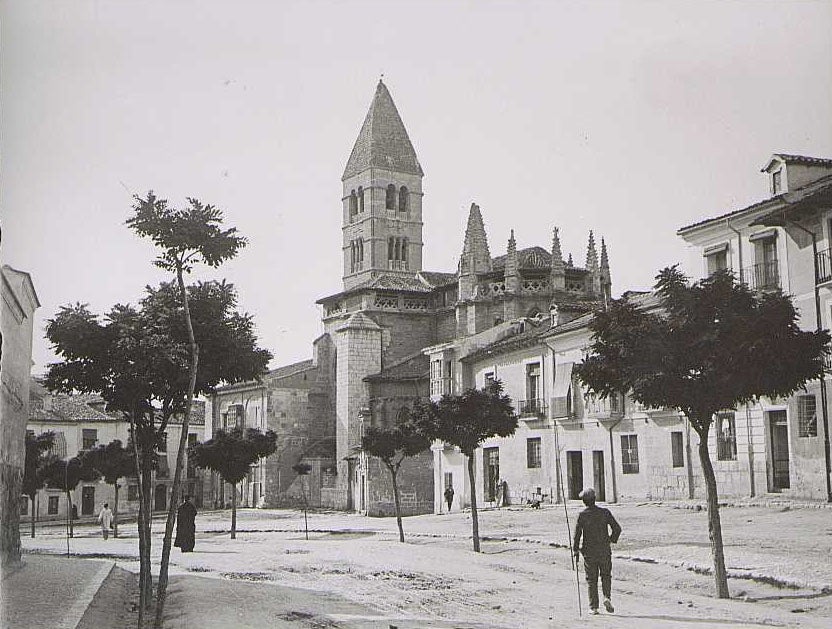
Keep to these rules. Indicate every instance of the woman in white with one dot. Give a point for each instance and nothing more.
(106, 519)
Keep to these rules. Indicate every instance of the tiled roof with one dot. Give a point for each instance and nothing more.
(415, 366)
(383, 141)
(291, 370)
(529, 337)
(773, 202)
(803, 159)
(438, 278)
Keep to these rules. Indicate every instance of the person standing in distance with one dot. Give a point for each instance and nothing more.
(185, 526)
(598, 528)
(106, 519)
(449, 496)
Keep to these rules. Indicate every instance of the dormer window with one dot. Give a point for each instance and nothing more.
(777, 182)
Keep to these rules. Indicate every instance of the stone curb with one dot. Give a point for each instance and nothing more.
(77, 610)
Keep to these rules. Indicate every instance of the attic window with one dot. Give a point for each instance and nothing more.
(777, 182)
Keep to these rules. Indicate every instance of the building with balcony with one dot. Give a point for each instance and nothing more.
(783, 242)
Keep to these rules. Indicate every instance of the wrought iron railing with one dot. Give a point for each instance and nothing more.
(562, 409)
(532, 407)
(762, 276)
(823, 262)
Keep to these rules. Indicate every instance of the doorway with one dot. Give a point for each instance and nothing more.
(88, 500)
(160, 498)
(574, 473)
(779, 436)
(598, 475)
(491, 473)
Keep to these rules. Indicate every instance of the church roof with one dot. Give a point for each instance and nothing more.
(438, 278)
(383, 141)
(413, 367)
(528, 258)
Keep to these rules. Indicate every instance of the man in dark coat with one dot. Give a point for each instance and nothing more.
(185, 526)
(598, 528)
(449, 496)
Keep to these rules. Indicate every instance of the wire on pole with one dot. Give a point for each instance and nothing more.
(572, 555)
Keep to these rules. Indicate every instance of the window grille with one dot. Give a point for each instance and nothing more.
(726, 437)
(677, 449)
(807, 416)
(629, 454)
(533, 458)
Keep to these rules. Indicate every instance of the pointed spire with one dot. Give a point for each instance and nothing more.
(605, 262)
(512, 279)
(592, 266)
(476, 258)
(558, 275)
(569, 261)
(606, 278)
(383, 141)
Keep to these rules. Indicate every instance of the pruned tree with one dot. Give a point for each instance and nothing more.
(302, 470)
(231, 453)
(465, 421)
(65, 475)
(37, 458)
(184, 237)
(113, 461)
(711, 345)
(393, 444)
(137, 359)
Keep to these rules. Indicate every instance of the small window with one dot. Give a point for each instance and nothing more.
(629, 454)
(726, 437)
(777, 182)
(533, 452)
(390, 198)
(360, 199)
(807, 416)
(52, 506)
(403, 199)
(353, 204)
(132, 493)
(89, 437)
(489, 378)
(717, 260)
(677, 449)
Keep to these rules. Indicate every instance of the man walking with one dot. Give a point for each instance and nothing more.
(449, 496)
(106, 519)
(598, 528)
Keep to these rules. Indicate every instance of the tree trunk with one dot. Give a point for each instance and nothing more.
(69, 510)
(714, 525)
(234, 511)
(115, 511)
(147, 480)
(474, 518)
(180, 457)
(32, 499)
(398, 503)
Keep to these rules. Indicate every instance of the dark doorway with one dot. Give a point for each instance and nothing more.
(350, 483)
(491, 472)
(779, 435)
(88, 501)
(160, 498)
(598, 475)
(574, 473)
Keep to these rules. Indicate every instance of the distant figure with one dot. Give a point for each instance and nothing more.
(593, 525)
(185, 526)
(504, 493)
(449, 496)
(106, 519)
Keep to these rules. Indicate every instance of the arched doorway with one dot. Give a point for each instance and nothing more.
(160, 502)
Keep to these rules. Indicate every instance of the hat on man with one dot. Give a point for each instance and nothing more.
(588, 492)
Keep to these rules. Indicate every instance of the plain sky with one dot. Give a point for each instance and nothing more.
(631, 118)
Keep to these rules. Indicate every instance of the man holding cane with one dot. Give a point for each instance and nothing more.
(598, 528)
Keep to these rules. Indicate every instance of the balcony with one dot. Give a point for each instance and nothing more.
(531, 408)
(397, 265)
(823, 263)
(562, 409)
(762, 276)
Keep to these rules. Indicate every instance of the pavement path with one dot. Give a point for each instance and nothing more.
(48, 592)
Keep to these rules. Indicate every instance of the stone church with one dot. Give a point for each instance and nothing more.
(370, 360)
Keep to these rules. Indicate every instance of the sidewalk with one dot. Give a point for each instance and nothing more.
(50, 592)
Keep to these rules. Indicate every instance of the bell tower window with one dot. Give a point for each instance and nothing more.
(360, 199)
(403, 199)
(356, 255)
(353, 204)
(397, 253)
(390, 199)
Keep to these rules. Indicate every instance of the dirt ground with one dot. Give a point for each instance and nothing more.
(116, 603)
(781, 575)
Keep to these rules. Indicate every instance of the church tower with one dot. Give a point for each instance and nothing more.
(382, 198)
